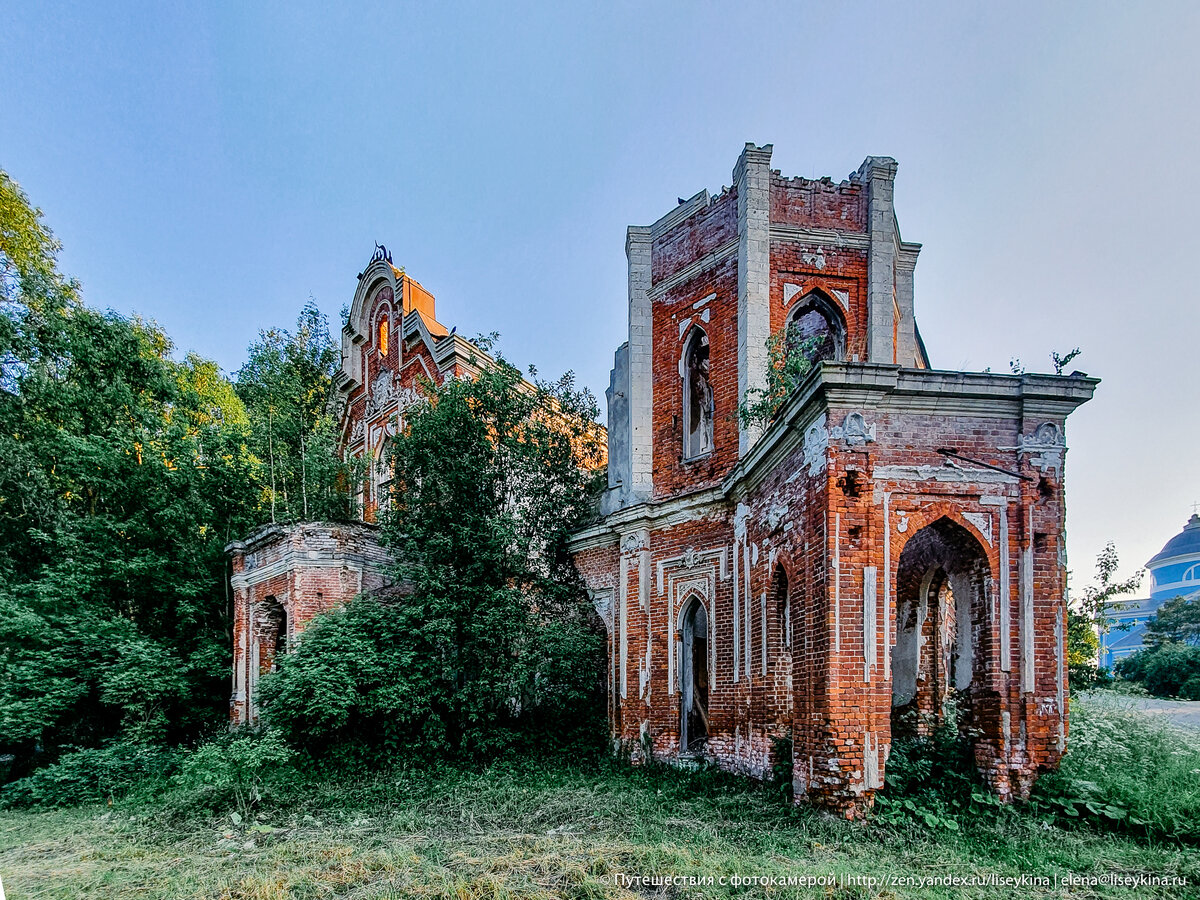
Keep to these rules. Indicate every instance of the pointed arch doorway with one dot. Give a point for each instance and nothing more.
(693, 677)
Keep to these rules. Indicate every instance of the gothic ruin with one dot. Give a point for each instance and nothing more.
(884, 556)
(887, 555)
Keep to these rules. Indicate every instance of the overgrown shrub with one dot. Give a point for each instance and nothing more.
(353, 680)
(494, 644)
(93, 775)
(1191, 689)
(236, 769)
(931, 780)
(1163, 669)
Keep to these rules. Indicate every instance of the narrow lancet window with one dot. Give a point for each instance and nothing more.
(693, 674)
(697, 397)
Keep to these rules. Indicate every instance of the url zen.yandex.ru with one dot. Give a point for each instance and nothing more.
(984, 879)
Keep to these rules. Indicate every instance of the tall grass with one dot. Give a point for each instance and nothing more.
(1126, 768)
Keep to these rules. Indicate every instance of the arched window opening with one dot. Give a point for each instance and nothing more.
(816, 330)
(942, 602)
(693, 676)
(1192, 574)
(273, 634)
(697, 397)
(383, 336)
(783, 607)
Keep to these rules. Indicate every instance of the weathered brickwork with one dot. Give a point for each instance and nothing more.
(282, 577)
(391, 348)
(885, 555)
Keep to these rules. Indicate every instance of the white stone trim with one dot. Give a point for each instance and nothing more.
(752, 175)
(870, 620)
(1005, 595)
(1027, 643)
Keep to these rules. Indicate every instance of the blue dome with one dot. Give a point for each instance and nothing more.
(1186, 543)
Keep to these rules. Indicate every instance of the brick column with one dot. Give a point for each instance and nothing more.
(752, 176)
(641, 363)
(879, 174)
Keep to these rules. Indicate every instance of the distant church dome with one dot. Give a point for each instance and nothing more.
(1186, 543)
(1174, 572)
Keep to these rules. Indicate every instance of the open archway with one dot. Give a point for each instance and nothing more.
(815, 328)
(693, 677)
(943, 581)
(272, 634)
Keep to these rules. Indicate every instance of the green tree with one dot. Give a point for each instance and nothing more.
(790, 358)
(492, 638)
(1088, 618)
(286, 384)
(1167, 669)
(1176, 620)
(123, 474)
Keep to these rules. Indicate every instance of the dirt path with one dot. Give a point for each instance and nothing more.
(1184, 713)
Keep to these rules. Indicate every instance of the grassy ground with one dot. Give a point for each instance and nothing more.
(510, 832)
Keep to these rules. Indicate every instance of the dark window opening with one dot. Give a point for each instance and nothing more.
(273, 640)
(783, 606)
(694, 678)
(815, 329)
(697, 397)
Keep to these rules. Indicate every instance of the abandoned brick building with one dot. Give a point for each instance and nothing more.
(886, 553)
(283, 575)
(887, 550)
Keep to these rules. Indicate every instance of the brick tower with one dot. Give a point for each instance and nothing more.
(886, 554)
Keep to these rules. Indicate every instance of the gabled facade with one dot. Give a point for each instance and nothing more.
(885, 554)
(391, 343)
(284, 575)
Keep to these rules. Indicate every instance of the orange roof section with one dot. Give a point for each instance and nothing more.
(414, 297)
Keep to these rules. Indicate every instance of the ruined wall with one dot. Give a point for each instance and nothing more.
(290, 574)
(826, 498)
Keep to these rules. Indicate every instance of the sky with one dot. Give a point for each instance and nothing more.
(211, 166)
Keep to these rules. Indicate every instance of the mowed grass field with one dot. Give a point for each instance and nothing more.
(529, 831)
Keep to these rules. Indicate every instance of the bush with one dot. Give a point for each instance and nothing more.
(494, 645)
(1123, 769)
(1191, 689)
(931, 780)
(351, 681)
(1163, 669)
(93, 775)
(238, 768)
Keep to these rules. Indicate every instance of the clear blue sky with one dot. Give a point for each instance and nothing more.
(211, 165)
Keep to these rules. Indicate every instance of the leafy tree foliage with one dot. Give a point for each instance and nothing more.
(1176, 620)
(1088, 618)
(790, 357)
(1167, 669)
(124, 472)
(491, 640)
(122, 475)
(286, 385)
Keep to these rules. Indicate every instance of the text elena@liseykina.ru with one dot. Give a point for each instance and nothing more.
(983, 879)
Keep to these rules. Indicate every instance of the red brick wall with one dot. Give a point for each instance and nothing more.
(831, 271)
(695, 237)
(303, 570)
(672, 474)
(818, 203)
